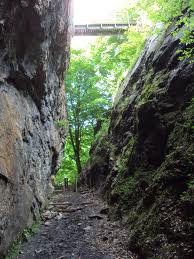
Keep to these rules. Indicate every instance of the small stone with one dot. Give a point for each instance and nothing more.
(58, 217)
(95, 217)
(88, 228)
(115, 241)
(60, 245)
(47, 223)
(38, 251)
(49, 214)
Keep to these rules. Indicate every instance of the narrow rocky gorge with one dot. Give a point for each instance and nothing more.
(34, 52)
(143, 165)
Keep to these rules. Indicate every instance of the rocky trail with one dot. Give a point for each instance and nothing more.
(76, 226)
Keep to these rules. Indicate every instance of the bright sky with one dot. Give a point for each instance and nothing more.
(87, 11)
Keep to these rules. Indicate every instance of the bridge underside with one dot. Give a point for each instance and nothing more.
(98, 32)
(100, 29)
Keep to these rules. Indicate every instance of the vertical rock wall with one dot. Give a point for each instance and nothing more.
(34, 52)
(144, 164)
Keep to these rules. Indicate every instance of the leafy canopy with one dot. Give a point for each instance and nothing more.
(93, 78)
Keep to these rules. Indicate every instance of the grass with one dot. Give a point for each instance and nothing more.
(24, 236)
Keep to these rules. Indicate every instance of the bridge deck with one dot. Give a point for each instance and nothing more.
(101, 29)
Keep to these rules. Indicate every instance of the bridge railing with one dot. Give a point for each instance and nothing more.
(117, 23)
(100, 26)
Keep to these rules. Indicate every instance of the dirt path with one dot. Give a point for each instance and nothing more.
(76, 227)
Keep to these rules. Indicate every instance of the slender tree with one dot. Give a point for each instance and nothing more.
(85, 102)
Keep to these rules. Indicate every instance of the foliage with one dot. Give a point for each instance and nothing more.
(24, 236)
(28, 232)
(123, 185)
(93, 77)
(14, 250)
(186, 195)
(165, 12)
(115, 55)
(68, 167)
(87, 101)
(90, 82)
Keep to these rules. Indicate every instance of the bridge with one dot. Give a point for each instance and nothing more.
(118, 23)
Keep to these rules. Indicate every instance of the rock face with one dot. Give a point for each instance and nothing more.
(34, 47)
(144, 164)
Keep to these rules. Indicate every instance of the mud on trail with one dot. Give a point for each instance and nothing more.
(76, 226)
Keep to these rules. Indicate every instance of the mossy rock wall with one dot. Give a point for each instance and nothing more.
(145, 168)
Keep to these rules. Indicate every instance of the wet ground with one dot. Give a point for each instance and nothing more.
(76, 226)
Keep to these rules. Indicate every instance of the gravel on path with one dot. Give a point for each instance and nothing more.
(76, 226)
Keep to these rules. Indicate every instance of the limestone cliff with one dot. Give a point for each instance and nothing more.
(34, 50)
(144, 164)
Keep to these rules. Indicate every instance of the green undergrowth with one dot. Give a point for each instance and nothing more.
(122, 104)
(188, 115)
(14, 250)
(101, 148)
(150, 86)
(179, 162)
(122, 163)
(123, 185)
(187, 195)
(147, 91)
(24, 236)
